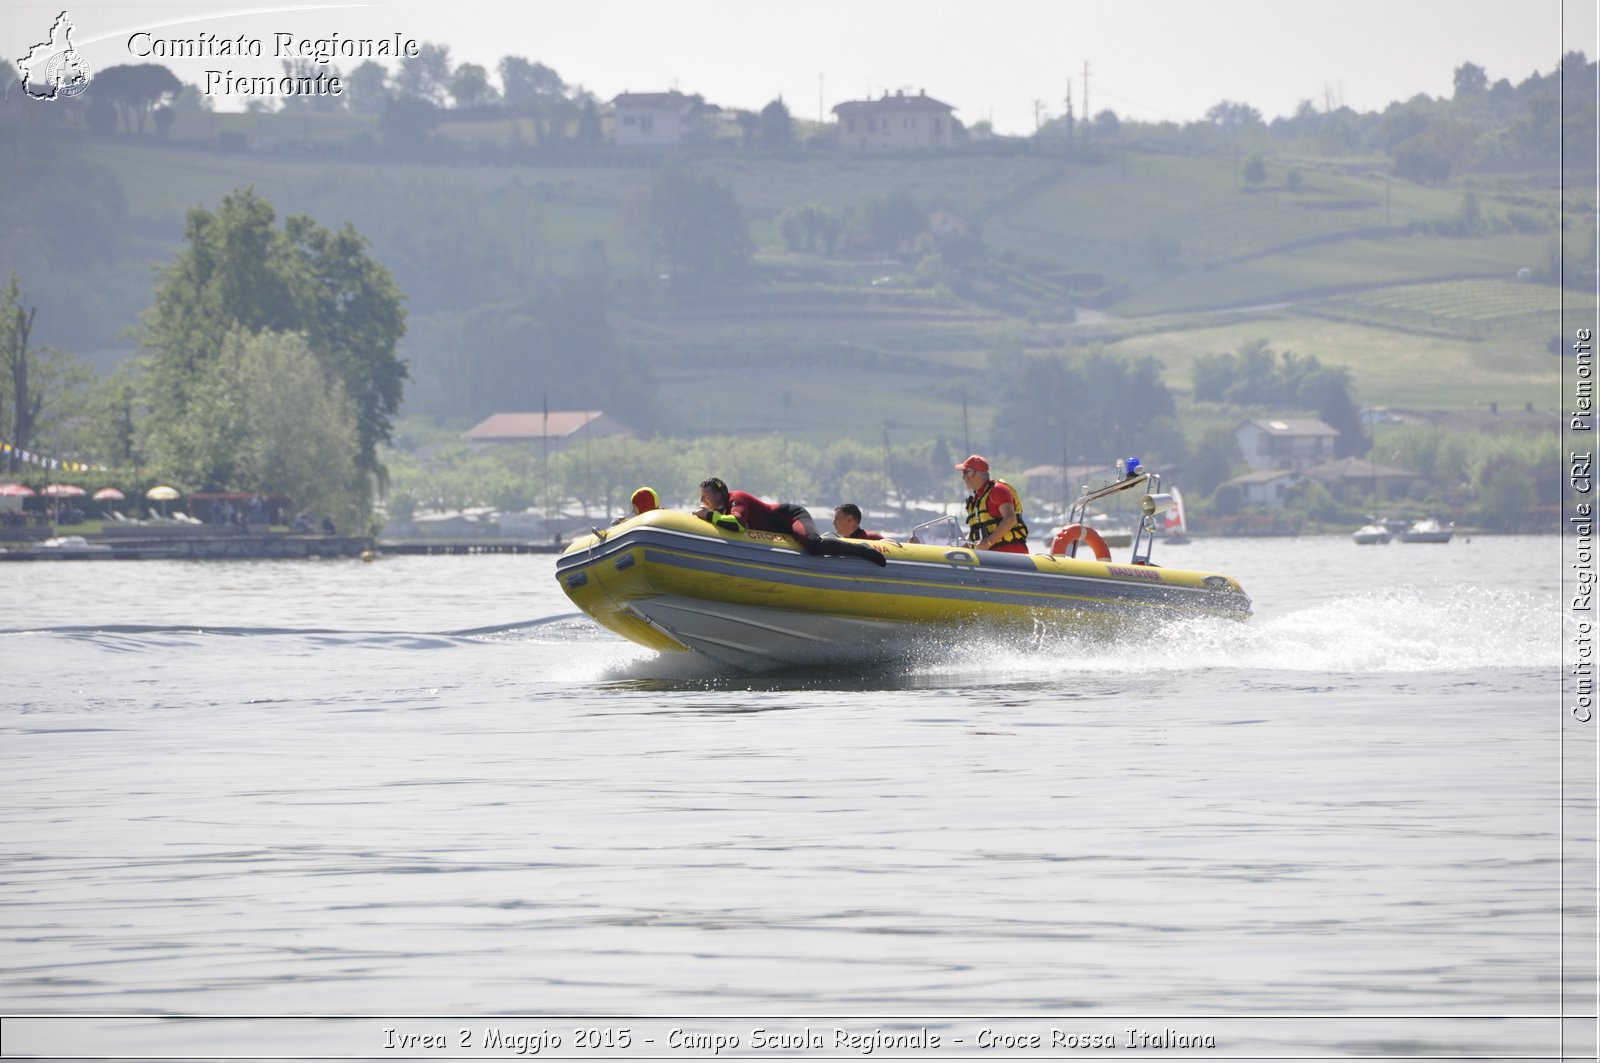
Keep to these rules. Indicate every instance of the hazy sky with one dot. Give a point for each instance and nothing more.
(1148, 59)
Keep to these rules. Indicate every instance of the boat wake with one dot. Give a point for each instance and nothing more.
(1390, 632)
(1395, 632)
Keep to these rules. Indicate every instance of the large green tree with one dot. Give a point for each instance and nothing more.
(136, 90)
(34, 380)
(1093, 405)
(694, 225)
(426, 75)
(265, 414)
(777, 126)
(470, 87)
(238, 272)
(1259, 376)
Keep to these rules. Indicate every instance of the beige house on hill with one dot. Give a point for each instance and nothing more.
(663, 118)
(895, 123)
(558, 429)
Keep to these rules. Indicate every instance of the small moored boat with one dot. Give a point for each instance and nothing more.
(68, 546)
(753, 600)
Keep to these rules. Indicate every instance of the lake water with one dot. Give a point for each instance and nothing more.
(424, 787)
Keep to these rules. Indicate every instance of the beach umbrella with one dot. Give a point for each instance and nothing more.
(105, 496)
(56, 492)
(163, 494)
(16, 491)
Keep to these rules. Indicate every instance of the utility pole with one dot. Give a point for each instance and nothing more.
(966, 431)
(544, 447)
(1087, 113)
(888, 474)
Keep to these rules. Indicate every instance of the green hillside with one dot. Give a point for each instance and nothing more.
(1432, 296)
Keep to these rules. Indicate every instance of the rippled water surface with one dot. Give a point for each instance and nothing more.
(426, 786)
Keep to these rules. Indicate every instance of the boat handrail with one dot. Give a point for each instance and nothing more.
(1109, 489)
(1151, 505)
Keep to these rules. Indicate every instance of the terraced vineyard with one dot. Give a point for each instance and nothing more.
(1468, 308)
(1255, 226)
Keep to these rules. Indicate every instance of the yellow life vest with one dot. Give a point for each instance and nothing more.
(980, 522)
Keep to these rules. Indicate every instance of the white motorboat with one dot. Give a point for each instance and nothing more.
(1373, 534)
(65, 546)
(1428, 530)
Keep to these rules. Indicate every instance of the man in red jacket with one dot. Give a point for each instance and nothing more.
(994, 510)
(739, 510)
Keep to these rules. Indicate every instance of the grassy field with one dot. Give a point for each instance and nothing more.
(1389, 367)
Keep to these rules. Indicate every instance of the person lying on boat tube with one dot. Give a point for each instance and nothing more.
(739, 510)
(643, 501)
(994, 510)
(847, 522)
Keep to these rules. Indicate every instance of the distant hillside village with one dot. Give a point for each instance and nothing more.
(524, 108)
(897, 122)
(147, 98)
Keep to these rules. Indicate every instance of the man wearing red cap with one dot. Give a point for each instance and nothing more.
(994, 510)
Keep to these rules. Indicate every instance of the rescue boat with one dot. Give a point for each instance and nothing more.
(755, 601)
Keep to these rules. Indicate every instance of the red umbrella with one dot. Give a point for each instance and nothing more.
(57, 492)
(109, 494)
(20, 490)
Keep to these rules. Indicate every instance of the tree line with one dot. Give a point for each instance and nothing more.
(1428, 140)
(268, 364)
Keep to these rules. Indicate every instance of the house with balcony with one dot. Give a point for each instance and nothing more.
(1295, 443)
(895, 123)
(663, 119)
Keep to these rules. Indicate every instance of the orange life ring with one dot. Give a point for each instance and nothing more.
(1073, 533)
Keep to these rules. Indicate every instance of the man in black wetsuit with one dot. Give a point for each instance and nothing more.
(738, 510)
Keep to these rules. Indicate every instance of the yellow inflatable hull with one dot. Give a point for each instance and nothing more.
(755, 600)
